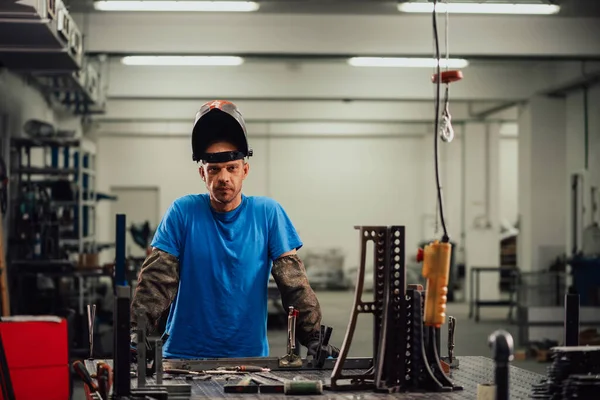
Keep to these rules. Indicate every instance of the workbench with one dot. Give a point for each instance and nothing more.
(471, 372)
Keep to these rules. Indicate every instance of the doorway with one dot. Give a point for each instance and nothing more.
(140, 205)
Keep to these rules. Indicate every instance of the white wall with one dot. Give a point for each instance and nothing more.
(509, 175)
(21, 101)
(327, 184)
(575, 149)
(542, 179)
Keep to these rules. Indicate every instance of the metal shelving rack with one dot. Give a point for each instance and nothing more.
(44, 162)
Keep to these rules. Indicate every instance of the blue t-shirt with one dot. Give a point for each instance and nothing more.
(225, 262)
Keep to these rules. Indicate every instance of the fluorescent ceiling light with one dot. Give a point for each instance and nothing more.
(406, 62)
(182, 60)
(479, 8)
(206, 6)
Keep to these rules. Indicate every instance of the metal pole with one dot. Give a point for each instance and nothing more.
(120, 276)
(571, 328)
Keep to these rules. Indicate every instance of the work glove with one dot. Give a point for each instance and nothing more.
(330, 351)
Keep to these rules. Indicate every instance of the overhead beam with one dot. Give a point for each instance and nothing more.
(278, 129)
(314, 81)
(119, 110)
(330, 34)
(568, 76)
(169, 129)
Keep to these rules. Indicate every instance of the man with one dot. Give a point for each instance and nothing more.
(212, 254)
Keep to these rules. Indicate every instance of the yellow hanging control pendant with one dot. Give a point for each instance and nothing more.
(436, 269)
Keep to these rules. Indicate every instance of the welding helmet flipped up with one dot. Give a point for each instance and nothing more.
(219, 120)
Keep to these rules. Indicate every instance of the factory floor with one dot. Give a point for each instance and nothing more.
(470, 337)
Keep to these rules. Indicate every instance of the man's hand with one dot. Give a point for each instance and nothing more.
(313, 348)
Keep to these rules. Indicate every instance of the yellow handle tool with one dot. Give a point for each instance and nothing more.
(436, 269)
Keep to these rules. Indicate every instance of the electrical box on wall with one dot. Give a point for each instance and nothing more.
(38, 35)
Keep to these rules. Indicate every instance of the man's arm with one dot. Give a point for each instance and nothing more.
(290, 277)
(158, 282)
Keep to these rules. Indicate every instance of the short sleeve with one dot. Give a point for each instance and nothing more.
(282, 233)
(169, 233)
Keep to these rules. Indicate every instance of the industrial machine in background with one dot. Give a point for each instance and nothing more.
(325, 269)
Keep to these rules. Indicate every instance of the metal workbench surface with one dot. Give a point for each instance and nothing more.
(472, 371)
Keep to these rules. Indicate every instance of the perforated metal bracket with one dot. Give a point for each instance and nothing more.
(387, 309)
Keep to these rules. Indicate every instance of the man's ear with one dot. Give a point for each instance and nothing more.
(246, 169)
(202, 173)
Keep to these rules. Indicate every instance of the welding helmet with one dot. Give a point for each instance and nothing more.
(219, 120)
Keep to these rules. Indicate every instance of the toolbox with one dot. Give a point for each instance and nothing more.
(37, 355)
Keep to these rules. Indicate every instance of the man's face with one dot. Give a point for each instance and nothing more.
(224, 180)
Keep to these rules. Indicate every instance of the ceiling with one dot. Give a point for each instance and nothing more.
(569, 8)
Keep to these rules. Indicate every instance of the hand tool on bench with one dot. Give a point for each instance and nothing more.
(291, 359)
(91, 314)
(244, 368)
(104, 378)
(297, 386)
(83, 373)
(451, 327)
(246, 385)
(177, 371)
(450, 362)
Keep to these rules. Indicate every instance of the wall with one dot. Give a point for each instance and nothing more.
(327, 184)
(576, 149)
(21, 101)
(542, 179)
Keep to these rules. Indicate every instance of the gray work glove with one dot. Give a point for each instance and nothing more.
(313, 348)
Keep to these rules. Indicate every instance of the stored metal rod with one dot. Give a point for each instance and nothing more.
(91, 314)
(571, 333)
(120, 275)
(502, 346)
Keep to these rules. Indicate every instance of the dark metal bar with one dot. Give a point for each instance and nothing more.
(574, 214)
(502, 346)
(141, 350)
(571, 326)
(120, 275)
(121, 369)
(158, 361)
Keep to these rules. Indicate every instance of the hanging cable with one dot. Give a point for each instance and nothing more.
(445, 237)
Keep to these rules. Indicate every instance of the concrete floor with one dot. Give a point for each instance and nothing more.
(470, 337)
